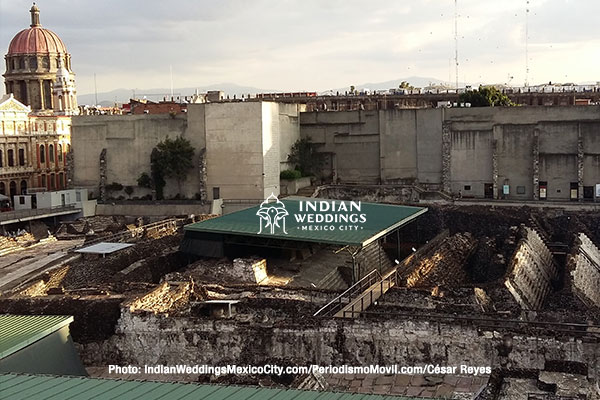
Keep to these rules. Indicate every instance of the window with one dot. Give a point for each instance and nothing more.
(42, 154)
(2, 188)
(23, 187)
(51, 153)
(520, 189)
(22, 63)
(216, 193)
(23, 98)
(1, 159)
(21, 157)
(21, 199)
(60, 180)
(13, 188)
(44, 181)
(467, 187)
(52, 182)
(78, 196)
(59, 151)
(11, 158)
(46, 62)
(33, 63)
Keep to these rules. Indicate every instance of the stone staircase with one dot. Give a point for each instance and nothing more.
(307, 191)
(333, 281)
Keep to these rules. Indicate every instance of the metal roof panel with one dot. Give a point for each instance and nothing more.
(19, 331)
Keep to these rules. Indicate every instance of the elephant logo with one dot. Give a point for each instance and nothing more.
(272, 215)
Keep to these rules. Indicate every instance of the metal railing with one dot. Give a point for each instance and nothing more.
(349, 294)
(19, 214)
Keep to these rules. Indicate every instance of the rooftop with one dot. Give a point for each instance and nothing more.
(379, 220)
(47, 387)
(19, 331)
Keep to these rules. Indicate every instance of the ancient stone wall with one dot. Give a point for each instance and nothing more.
(584, 268)
(192, 340)
(531, 272)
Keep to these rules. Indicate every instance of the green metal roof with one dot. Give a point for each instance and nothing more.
(16, 387)
(19, 331)
(380, 220)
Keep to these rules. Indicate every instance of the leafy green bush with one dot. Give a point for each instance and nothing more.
(290, 174)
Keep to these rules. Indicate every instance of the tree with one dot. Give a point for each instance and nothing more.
(485, 96)
(171, 158)
(352, 89)
(405, 85)
(305, 157)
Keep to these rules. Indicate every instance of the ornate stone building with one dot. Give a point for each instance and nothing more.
(35, 116)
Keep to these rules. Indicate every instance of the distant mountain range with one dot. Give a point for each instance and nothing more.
(231, 89)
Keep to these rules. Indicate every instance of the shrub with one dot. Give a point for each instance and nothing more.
(114, 187)
(290, 174)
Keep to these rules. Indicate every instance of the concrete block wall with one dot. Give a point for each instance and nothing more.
(532, 271)
(584, 269)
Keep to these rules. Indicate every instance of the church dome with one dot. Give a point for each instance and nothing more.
(35, 39)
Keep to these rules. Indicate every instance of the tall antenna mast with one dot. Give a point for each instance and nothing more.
(456, 40)
(171, 71)
(95, 90)
(527, 43)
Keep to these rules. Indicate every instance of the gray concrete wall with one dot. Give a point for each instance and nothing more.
(154, 210)
(245, 142)
(234, 149)
(128, 139)
(486, 146)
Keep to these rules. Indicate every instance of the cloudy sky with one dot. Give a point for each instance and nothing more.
(315, 44)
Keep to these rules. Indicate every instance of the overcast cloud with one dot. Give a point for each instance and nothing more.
(314, 45)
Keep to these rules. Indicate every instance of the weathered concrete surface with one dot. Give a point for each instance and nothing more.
(474, 151)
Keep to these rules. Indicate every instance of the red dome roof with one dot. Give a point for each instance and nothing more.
(36, 40)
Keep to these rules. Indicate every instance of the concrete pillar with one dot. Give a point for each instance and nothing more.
(580, 156)
(495, 167)
(446, 157)
(536, 164)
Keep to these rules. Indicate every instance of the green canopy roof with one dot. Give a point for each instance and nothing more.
(19, 331)
(379, 220)
(28, 387)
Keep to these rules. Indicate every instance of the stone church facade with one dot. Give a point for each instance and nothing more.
(35, 115)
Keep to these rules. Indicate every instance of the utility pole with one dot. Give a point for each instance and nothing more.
(527, 43)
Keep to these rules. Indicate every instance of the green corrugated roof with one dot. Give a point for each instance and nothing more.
(29, 387)
(19, 331)
(380, 219)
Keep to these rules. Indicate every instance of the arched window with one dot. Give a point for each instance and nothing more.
(42, 154)
(11, 157)
(23, 187)
(43, 181)
(52, 182)
(60, 153)
(51, 153)
(1, 159)
(13, 188)
(61, 179)
(2, 188)
(21, 157)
